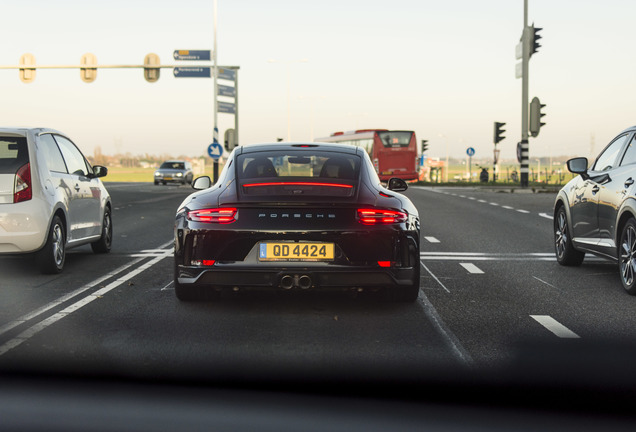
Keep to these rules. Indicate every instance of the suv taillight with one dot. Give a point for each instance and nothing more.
(22, 190)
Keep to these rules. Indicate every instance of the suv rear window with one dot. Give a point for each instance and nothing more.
(13, 154)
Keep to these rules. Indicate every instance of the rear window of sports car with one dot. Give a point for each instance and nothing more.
(304, 173)
(13, 154)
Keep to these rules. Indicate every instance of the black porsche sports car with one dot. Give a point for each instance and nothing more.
(297, 216)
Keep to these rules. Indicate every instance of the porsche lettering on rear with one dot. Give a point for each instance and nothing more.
(286, 215)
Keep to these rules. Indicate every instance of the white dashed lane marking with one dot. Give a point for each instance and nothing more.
(544, 215)
(555, 327)
(431, 239)
(471, 268)
(481, 256)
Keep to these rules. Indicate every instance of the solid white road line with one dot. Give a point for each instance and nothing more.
(533, 254)
(56, 317)
(540, 280)
(33, 330)
(434, 277)
(449, 337)
(555, 327)
(471, 268)
(24, 318)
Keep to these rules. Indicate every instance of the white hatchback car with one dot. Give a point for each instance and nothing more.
(51, 198)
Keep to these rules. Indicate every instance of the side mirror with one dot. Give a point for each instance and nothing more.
(202, 183)
(397, 185)
(578, 166)
(99, 171)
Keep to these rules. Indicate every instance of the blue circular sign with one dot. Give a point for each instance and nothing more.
(470, 151)
(215, 150)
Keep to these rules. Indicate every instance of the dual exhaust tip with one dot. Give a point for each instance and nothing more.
(300, 281)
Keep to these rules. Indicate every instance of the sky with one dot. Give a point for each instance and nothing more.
(444, 69)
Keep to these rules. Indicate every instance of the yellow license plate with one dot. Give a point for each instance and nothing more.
(296, 251)
(167, 178)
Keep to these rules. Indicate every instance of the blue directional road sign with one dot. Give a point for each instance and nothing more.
(192, 72)
(215, 150)
(470, 151)
(227, 74)
(227, 91)
(226, 107)
(192, 55)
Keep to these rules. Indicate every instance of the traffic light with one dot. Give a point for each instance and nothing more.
(535, 116)
(27, 75)
(499, 130)
(88, 74)
(151, 74)
(229, 139)
(534, 47)
(424, 146)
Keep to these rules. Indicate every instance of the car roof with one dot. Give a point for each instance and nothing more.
(25, 130)
(342, 148)
(629, 129)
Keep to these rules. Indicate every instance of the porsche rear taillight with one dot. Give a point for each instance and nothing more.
(22, 190)
(381, 216)
(216, 215)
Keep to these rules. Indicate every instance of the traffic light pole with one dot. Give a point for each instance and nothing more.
(525, 46)
(215, 134)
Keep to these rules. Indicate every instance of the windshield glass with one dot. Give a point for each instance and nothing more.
(172, 165)
(395, 139)
(458, 247)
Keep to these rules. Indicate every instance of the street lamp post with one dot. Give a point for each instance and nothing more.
(441, 135)
(313, 111)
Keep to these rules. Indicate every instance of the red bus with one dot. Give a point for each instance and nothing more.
(394, 153)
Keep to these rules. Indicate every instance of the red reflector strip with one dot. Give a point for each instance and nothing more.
(217, 215)
(298, 184)
(384, 263)
(208, 262)
(381, 217)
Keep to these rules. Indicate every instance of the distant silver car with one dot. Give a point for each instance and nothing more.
(174, 171)
(51, 198)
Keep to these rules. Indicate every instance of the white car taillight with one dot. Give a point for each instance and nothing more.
(22, 190)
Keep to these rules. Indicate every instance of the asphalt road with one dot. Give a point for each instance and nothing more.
(489, 280)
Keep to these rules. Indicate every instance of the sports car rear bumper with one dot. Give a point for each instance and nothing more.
(304, 277)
